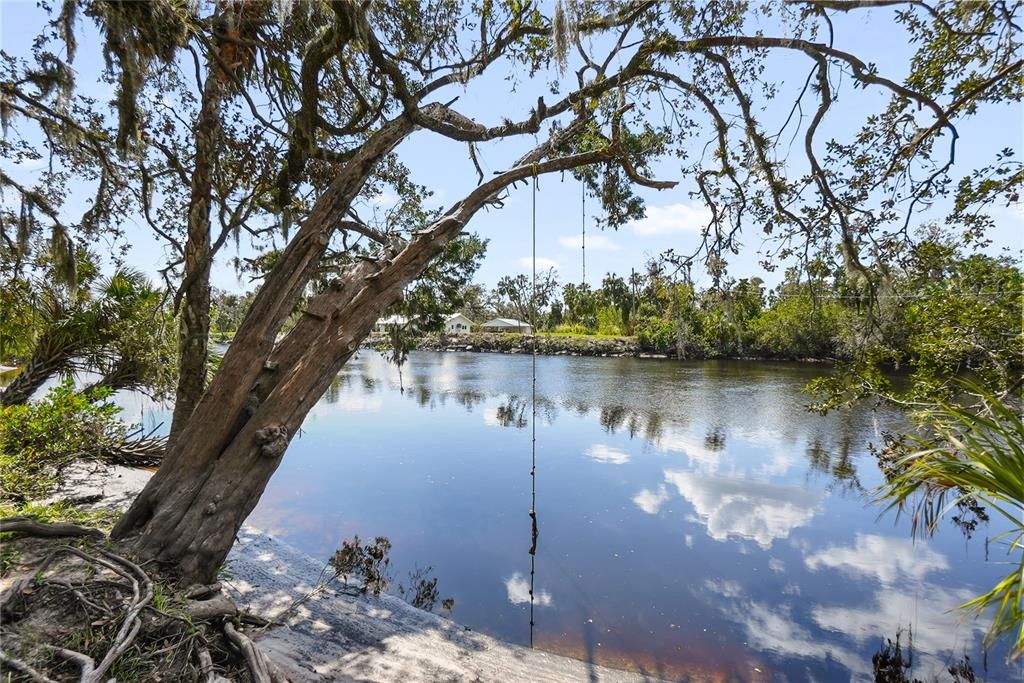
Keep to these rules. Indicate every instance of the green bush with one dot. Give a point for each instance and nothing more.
(38, 441)
(799, 326)
(609, 321)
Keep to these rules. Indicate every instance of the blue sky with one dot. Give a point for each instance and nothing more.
(673, 217)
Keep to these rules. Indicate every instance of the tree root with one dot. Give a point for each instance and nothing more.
(262, 669)
(115, 603)
(22, 667)
(31, 527)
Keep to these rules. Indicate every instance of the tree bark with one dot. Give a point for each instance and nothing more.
(226, 404)
(194, 321)
(190, 511)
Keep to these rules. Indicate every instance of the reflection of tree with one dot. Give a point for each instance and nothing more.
(837, 464)
(634, 425)
(422, 395)
(369, 384)
(612, 417)
(512, 413)
(655, 428)
(891, 665)
(714, 440)
(468, 398)
(577, 405)
(334, 389)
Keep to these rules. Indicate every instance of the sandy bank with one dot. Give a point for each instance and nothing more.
(340, 635)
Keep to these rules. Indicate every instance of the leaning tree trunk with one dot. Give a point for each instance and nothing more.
(214, 475)
(226, 404)
(194, 323)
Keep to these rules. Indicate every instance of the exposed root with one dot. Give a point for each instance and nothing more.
(87, 614)
(261, 668)
(31, 527)
(22, 667)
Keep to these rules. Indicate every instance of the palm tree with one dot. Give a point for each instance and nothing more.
(117, 329)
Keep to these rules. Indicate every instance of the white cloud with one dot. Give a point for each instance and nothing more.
(754, 510)
(699, 455)
(650, 501)
(776, 565)
(883, 557)
(773, 629)
(613, 456)
(664, 220)
(595, 242)
(543, 263)
(518, 589)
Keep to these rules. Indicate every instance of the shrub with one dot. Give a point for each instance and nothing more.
(38, 441)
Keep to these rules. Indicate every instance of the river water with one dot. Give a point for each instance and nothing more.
(694, 519)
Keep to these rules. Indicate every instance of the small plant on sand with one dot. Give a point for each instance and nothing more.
(367, 563)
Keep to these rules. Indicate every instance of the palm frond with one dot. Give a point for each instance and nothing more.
(976, 453)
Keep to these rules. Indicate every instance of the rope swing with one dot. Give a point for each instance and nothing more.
(533, 404)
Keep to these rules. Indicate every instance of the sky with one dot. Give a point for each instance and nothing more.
(673, 218)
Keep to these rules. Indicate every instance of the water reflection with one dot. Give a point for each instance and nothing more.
(883, 558)
(518, 591)
(698, 522)
(602, 453)
(738, 508)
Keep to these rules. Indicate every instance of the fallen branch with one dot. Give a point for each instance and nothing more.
(205, 665)
(202, 591)
(31, 527)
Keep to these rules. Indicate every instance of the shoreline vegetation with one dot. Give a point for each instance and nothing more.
(549, 344)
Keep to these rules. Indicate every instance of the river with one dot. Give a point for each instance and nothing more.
(694, 519)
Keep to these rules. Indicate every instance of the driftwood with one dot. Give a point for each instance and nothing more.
(31, 527)
(146, 452)
(216, 607)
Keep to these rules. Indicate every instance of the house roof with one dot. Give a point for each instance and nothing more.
(453, 316)
(505, 322)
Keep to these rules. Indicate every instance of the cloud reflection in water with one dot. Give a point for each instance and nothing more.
(518, 589)
(754, 510)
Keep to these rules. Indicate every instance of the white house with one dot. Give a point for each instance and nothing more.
(383, 325)
(507, 325)
(457, 324)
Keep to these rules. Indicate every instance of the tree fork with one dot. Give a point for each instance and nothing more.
(193, 524)
(223, 403)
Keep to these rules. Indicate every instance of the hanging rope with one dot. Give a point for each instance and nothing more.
(583, 222)
(533, 404)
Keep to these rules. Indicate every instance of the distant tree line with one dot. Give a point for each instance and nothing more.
(960, 312)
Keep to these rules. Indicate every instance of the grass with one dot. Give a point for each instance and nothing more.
(61, 511)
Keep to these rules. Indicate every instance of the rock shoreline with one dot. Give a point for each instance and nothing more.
(603, 347)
